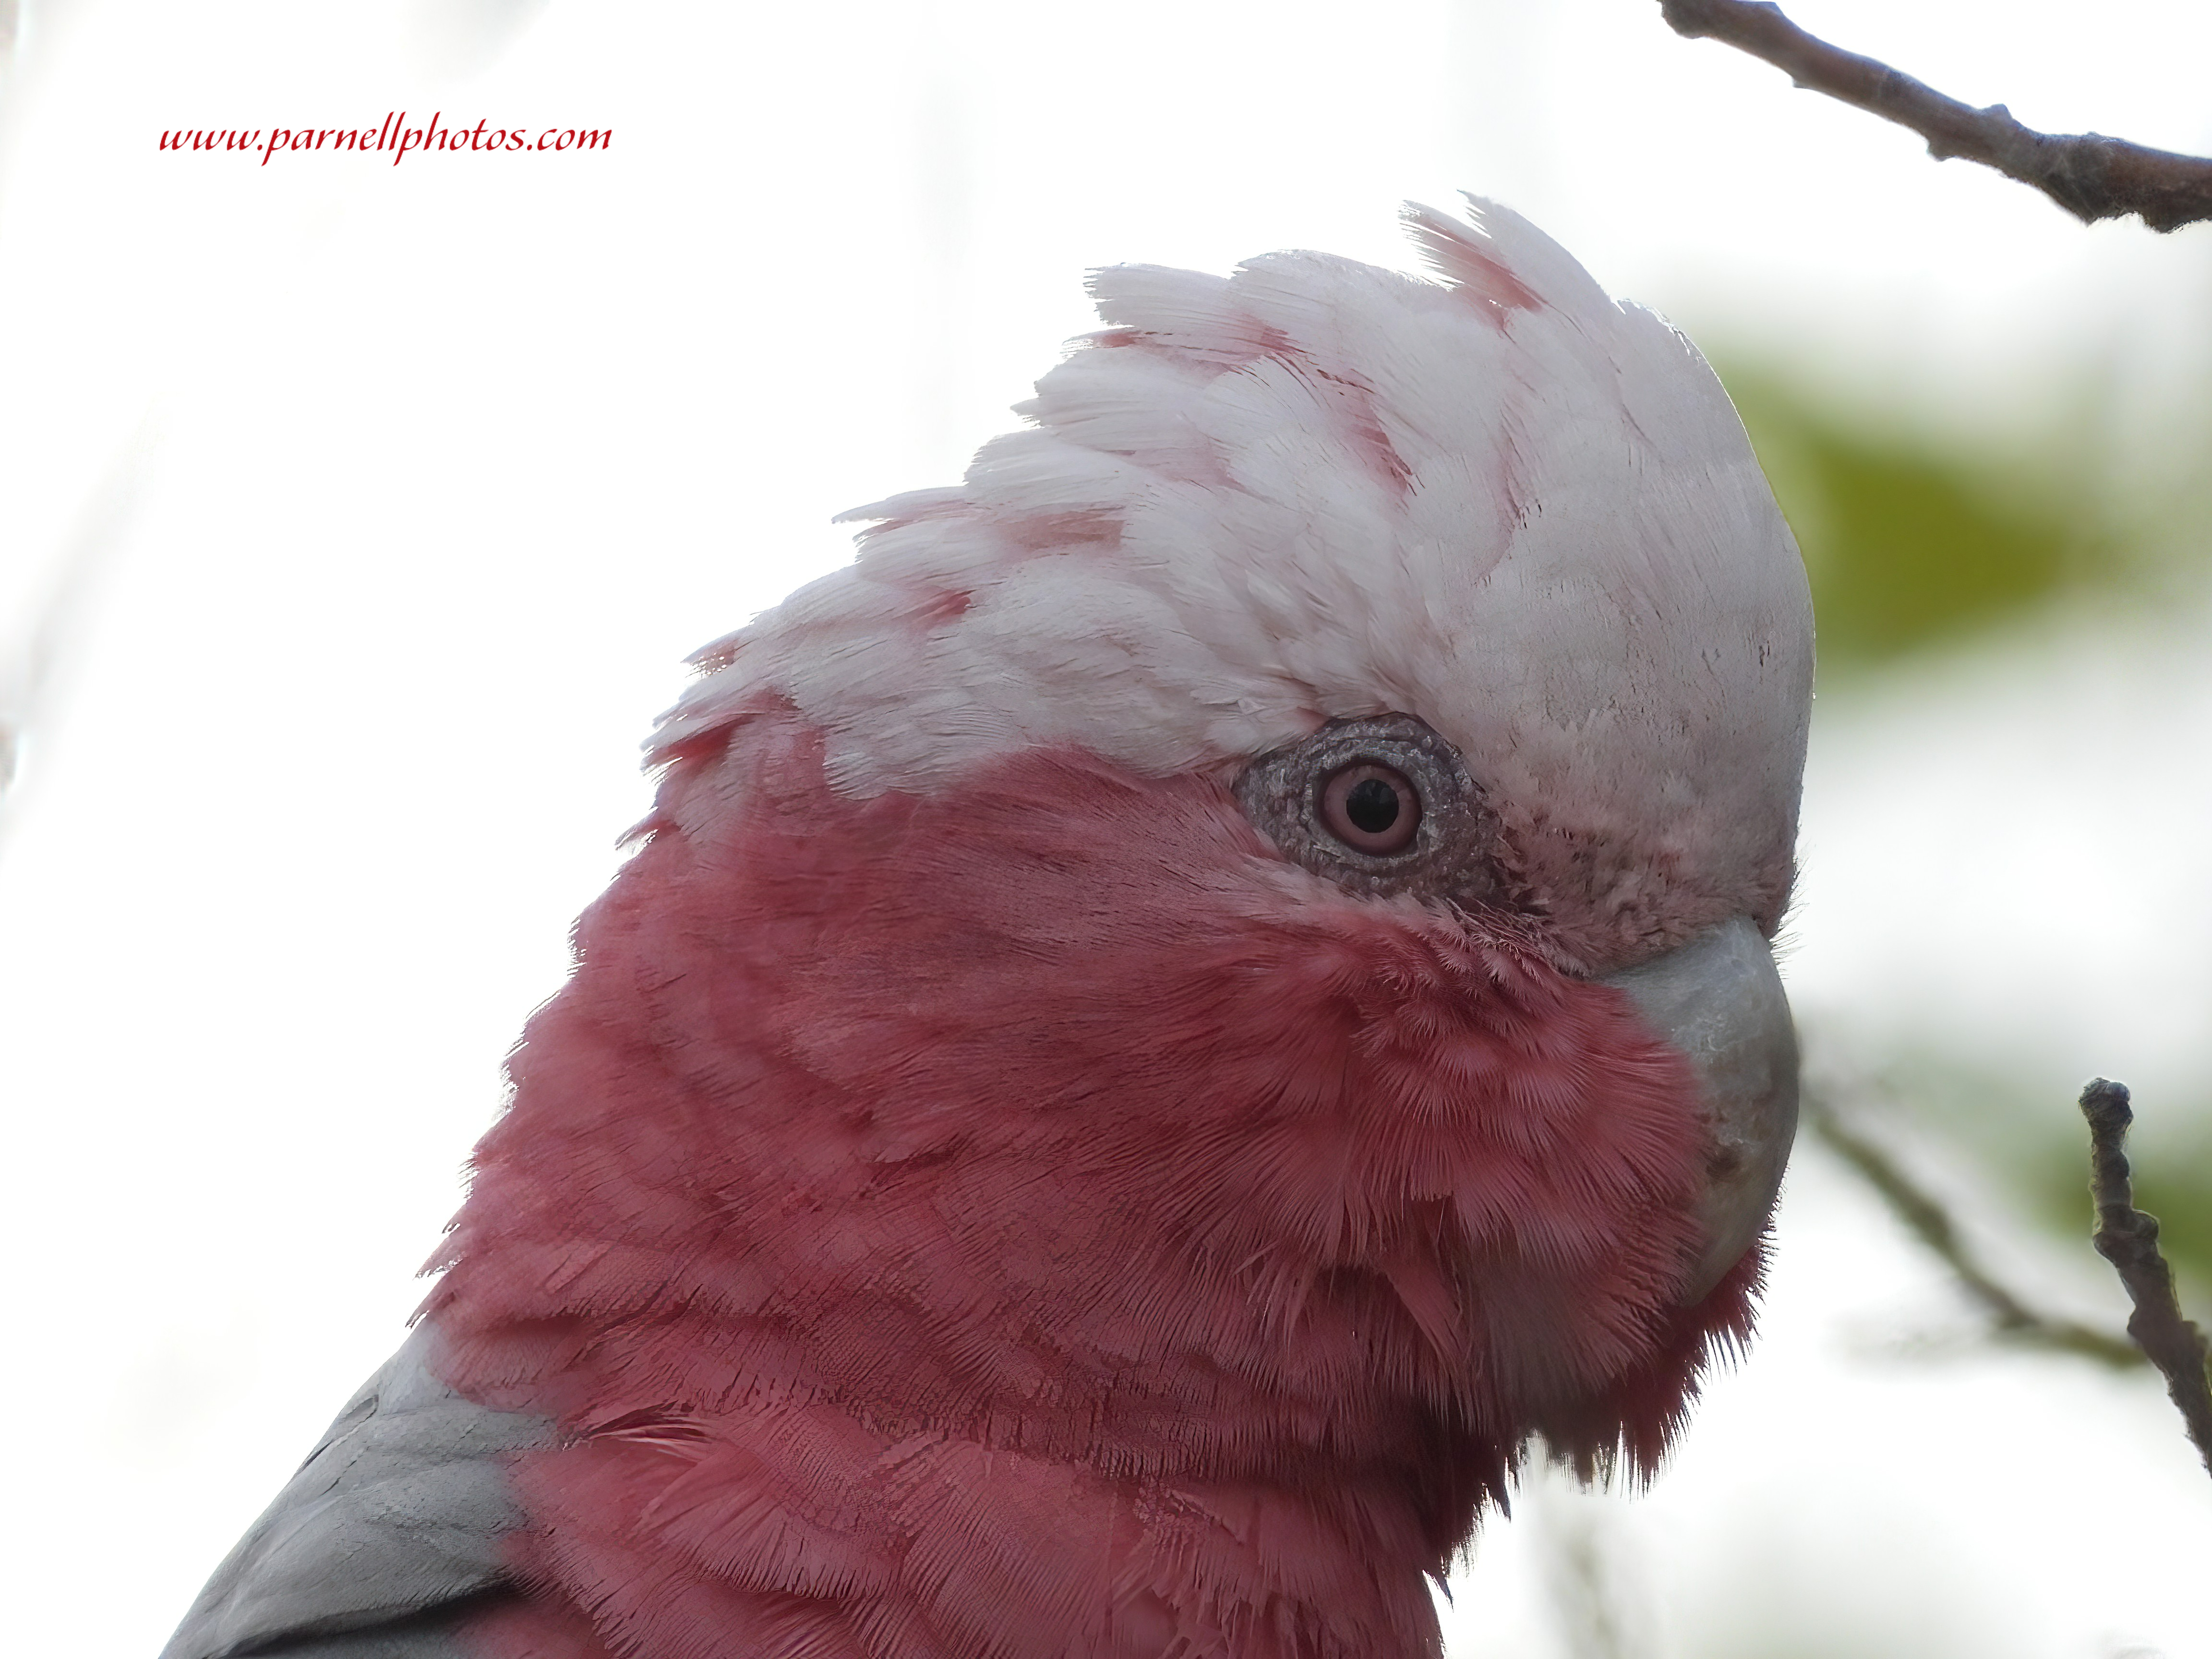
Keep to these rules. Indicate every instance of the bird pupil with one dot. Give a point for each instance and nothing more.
(1372, 806)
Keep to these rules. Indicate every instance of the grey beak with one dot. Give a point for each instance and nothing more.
(1719, 1000)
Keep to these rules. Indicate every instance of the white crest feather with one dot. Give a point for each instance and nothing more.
(1500, 502)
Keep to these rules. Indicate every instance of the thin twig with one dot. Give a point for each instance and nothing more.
(2128, 1238)
(2091, 176)
(2011, 1319)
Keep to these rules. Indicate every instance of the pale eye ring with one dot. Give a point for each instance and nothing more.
(1371, 808)
(1380, 805)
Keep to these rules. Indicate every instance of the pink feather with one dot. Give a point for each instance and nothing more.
(1032, 1219)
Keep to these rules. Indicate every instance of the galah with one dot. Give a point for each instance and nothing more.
(1203, 999)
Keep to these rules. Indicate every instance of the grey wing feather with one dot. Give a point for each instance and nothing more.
(430, 1635)
(396, 1515)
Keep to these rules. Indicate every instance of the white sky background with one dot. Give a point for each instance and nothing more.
(404, 489)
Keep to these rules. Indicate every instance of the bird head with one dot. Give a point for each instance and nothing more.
(1228, 951)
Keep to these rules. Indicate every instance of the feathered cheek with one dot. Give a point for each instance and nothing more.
(1634, 1173)
(1503, 1194)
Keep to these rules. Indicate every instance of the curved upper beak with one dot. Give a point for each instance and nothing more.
(1719, 1000)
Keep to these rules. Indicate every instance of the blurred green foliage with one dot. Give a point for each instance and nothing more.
(1907, 544)
(1913, 540)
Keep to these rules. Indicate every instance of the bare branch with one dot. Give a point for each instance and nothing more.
(2011, 1319)
(2091, 176)
(2128, 1238)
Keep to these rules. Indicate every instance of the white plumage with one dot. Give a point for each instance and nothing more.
(1255, 503)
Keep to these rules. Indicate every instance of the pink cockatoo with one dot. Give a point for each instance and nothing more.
(1167, 1025)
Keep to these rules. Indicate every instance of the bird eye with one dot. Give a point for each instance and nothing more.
(1371, 809)
(1380, 805)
